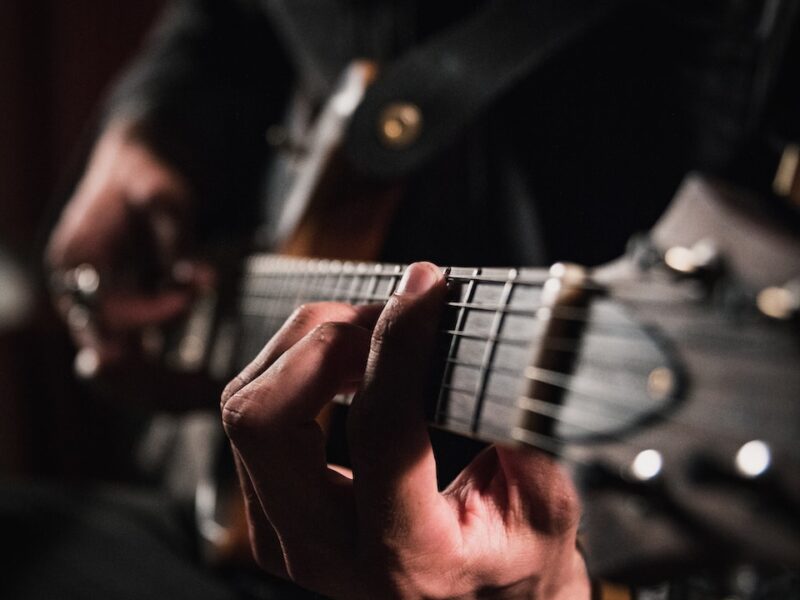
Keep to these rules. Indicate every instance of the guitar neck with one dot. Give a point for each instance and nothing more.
(522, 356)
(485, 338)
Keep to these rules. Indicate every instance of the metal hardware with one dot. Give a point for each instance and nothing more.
(647, 465)
(702, 257)
(780, 302)
(400, 125)
(787, 177)
(753, 459)
(661, 383)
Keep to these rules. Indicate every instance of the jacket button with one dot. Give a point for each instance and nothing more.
(400, 125)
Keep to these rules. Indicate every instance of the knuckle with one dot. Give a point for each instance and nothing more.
(234, 385)
(304, 315)
(234, 419)
(239, 419)
(329, 333)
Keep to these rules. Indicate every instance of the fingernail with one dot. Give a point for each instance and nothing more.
(418, 279)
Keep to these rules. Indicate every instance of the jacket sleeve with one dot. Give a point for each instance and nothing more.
(209, 80)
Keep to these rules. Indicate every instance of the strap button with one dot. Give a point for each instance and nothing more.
(400, 125)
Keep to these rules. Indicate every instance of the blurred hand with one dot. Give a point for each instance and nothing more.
(505, 528)
(129, 220)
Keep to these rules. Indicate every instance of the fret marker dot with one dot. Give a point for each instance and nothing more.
(660, 383)
(753, 459)
(647, 465)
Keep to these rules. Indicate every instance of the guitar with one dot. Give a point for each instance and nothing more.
(667, 382)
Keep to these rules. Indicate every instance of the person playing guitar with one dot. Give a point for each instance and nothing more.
(453, 155)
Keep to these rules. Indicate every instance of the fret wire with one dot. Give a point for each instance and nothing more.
(317, 282)
(395, 279)
(489, 351)
(302, 282)
(263, 325)
(337, 287)
(372, 286)
(276, 317)
(319, 285)
(451, 352)
(352, 291)
(295, 266)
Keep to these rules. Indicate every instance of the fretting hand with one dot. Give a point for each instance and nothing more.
(505, 528)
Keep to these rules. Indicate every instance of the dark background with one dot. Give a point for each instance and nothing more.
(56, 60)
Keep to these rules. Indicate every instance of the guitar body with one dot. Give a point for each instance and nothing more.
(726, 424)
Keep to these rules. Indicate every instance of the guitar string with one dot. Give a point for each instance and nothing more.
(610, 400)
(323, 267)
(546, 409)
(542, 441)
(561, 313)
(353, 295)
(564, 312)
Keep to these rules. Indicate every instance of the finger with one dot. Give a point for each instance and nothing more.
(271, 425)
(393, 464)
(264, 542)
(298, 325)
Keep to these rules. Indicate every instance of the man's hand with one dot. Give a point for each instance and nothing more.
(505, 528)
(127, 221)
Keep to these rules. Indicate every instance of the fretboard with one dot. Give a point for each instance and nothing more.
(511, 366)
(486, 332)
